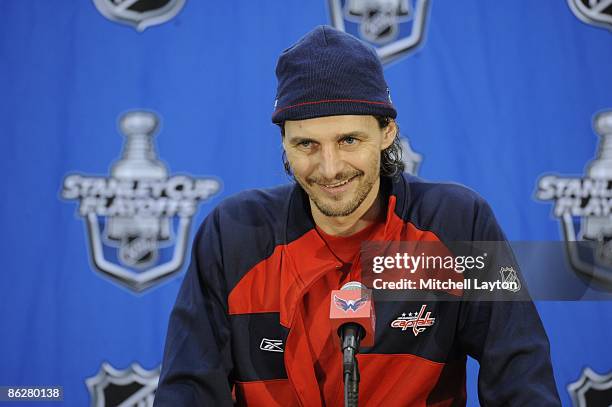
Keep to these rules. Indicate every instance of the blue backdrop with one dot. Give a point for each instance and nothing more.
(498, 94)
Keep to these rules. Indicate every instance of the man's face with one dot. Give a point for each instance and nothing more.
(336, 159)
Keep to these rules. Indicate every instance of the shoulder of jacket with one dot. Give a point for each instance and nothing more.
(261, 204)
(448, 209)
(460, 196)
(249, 223)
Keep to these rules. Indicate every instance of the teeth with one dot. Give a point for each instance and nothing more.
(337, 185)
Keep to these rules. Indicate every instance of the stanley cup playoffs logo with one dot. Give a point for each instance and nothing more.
(138, 219)
(583, 205)
(394, 27)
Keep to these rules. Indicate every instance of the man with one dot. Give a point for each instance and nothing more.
(252, 316)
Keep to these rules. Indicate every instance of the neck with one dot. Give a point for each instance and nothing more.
(370, 211)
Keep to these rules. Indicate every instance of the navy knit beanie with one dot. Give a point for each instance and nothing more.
(329, 72)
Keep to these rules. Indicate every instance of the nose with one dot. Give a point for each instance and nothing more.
(330, 163)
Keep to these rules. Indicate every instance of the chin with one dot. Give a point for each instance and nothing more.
(344, 207)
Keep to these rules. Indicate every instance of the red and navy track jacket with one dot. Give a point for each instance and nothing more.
(261, 272)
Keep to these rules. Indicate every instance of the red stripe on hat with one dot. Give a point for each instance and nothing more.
(331, 101)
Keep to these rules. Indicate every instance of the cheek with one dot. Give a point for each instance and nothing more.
(366, 158)
(300, 165)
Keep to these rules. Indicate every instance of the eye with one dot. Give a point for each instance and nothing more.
(349, 140)
(305, 144)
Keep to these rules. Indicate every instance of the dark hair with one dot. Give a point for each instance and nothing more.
(391, 163)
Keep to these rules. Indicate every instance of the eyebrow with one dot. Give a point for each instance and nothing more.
(299, 139)
(357, 133)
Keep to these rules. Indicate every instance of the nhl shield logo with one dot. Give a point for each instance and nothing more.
(133, 386)
(394, 27)
(139, 13)
(591, 390)
(510, 276)
(583, 205)
(593, 12)
(138, 219)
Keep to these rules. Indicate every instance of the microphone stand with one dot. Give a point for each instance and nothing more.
(351, 336)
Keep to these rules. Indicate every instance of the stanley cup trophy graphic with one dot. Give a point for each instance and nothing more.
(596, 226)
(138, 217)
(599, 228)
(138, 236)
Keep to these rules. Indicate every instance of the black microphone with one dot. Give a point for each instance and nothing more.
(352, 315)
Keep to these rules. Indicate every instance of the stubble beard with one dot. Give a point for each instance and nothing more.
(337, 211)
(328, 208)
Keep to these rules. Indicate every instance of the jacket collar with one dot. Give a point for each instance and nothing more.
(306, 256)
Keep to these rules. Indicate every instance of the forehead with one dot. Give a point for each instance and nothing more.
(330, 126)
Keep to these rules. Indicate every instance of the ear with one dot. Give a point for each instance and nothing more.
(389, 134)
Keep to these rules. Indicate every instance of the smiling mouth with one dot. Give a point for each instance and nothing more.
(338, 186)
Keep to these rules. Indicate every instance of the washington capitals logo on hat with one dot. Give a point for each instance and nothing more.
(347, 305)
